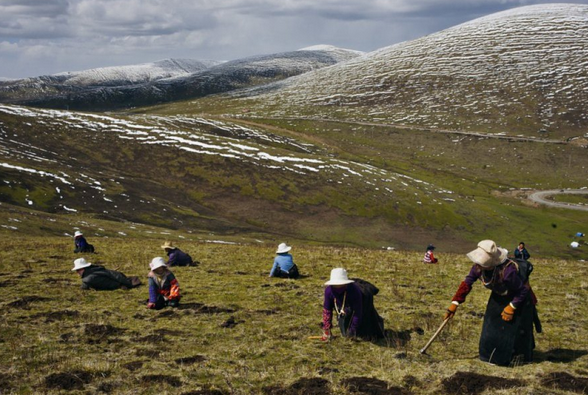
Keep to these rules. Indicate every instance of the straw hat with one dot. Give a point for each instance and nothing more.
(78, 233)
(157, 262)
(283, 247)
(168, 245)
(488, 254)
(80, 263)
(339, 277)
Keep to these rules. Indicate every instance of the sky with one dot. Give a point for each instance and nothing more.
(42, 37)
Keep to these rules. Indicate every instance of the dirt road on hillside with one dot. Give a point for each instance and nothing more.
(540, 197)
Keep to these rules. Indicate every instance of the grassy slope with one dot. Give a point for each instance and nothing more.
(112, 343)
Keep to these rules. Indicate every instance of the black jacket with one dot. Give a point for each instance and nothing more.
(101, 279)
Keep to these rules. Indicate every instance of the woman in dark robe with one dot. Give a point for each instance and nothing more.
(507, 331)
(353, 302)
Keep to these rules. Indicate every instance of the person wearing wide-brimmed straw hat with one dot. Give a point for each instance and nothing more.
(284, 265)
(507, 332)
(164, 288)
(175, 256)
(353, 302)
(101, 279)
(81, 244)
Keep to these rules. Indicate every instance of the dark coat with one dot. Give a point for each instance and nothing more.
(101, 279)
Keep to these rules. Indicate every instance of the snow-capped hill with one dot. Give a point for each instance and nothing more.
(342, 54)
(223, 77)
(519, 70)
(121, 75)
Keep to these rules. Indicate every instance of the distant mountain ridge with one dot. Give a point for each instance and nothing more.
(169, 80)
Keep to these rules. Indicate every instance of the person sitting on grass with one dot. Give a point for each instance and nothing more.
(81, 245)
(175, 256)
(101, 279)
(353, 301)
(429, 257)
(164, 289)
(284, 265)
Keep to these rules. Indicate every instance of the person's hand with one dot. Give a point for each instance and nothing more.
(450, 311)
(508, 313)
(326, 336)
(150, 305)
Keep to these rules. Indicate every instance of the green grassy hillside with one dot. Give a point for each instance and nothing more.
(240, 332)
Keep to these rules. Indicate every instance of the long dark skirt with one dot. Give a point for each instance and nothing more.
(502, 341)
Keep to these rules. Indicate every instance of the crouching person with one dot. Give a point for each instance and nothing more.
(101, 279)
(164, 289)
(353, 302)
(507, 331)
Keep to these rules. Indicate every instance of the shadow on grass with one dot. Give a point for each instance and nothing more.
(561, 355)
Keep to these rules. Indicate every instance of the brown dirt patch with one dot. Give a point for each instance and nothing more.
(6, 283)
(161, 378)
(304, 386)
(473, 383)
(73, 380)
(565, 381)
(287, 285)
(25, 301)
(53, 316)
(97, 332)
(372, 386)
(132, 366)
(231, 322)
(190, 360)
(200, 308)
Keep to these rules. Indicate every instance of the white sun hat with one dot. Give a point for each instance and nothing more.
(78, 233)
(283, 247)
(488, 254)
(157, 262)
(339, 277)
(80, 263)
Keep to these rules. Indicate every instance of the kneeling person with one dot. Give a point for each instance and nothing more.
(164, 289)
(353, 301)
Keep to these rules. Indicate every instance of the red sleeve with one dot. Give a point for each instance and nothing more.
(327, 319)
(463, 291)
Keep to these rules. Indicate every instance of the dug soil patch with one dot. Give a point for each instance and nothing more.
(372, 386)
(566, 382)
(132, 366)
(53, 316)
(304, 386)
(161, 378)
(25, 301)
(95, 333)
(74, 380)
(473, 383)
